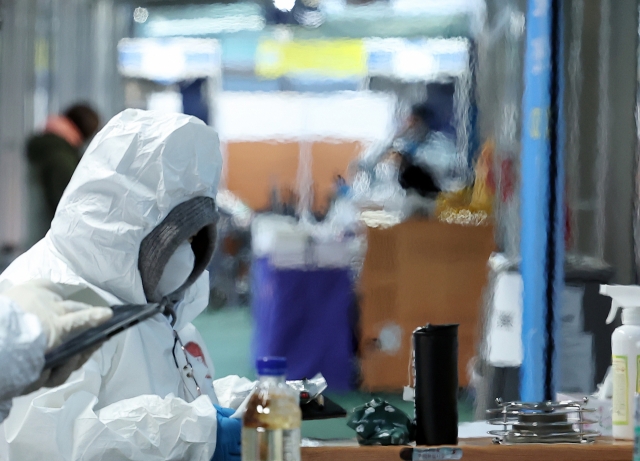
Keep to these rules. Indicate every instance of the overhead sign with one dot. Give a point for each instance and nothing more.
(417, 60)
(328, 58)
(168, 60)
(395, 57)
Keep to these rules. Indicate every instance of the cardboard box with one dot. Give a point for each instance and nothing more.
(253, 168)
(415, 273)
(329, 159)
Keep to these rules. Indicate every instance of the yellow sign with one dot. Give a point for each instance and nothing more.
(323, 58)
(41, 57)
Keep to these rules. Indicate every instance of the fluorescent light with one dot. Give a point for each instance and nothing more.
(168, 59)
(204, 26)
(284, 5)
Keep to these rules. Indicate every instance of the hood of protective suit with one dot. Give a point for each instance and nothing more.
(136, 170)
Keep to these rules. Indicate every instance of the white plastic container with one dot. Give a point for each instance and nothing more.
(625, 353)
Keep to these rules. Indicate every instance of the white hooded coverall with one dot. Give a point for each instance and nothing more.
(129, 401)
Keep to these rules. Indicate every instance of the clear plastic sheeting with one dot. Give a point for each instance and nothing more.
(229, 267)
(499, 93)
(53, 53)
(378, 187)
(229, 204)
(500, 349)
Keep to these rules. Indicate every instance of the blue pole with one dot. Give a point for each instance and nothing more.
(557, 231)
(542, 200)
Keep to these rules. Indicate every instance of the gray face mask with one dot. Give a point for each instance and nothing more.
(177, 270)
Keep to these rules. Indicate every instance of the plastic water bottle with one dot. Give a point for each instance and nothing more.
(271, 423)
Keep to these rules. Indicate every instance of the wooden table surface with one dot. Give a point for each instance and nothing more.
(484, 450)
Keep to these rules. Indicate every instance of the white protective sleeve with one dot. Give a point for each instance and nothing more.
(71, 425)
(22, 347)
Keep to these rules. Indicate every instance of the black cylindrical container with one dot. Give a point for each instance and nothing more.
(436, 393)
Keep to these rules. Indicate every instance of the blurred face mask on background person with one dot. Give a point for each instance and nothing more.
(177, 270)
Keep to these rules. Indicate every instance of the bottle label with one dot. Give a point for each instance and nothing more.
(636, 431)
(620, 410)
(260, 444)
(291, 445)
(637, 374)
(444, 453)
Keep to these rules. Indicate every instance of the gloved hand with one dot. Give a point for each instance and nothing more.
(228, 436)
(60, 319)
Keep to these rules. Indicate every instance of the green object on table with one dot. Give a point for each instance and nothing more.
(379, 423)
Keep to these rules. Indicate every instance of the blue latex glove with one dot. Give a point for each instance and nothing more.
(228, 436)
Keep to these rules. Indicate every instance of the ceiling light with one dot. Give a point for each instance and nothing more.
(284, 5)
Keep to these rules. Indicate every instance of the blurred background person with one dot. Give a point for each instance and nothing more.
(53, 156)
(425, 155)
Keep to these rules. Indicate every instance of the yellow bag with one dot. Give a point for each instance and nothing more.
(471, 206)
(484, 186)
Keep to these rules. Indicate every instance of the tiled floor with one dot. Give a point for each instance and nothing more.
(227, 333)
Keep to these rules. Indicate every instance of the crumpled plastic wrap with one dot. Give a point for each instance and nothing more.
(188, 424)
(234, 391)
(379, 423)
(314, 386)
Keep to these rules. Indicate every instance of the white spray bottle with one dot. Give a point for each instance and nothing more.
(625, 356)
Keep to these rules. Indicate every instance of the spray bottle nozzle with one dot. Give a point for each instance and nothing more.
(614, 305)
(625, 296)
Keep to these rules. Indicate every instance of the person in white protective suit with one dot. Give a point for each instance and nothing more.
(34, 318)
(135, 224)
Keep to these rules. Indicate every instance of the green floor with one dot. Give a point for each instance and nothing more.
(227, 333)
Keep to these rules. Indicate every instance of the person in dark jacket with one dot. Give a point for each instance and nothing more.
(53, 156)
(411, 175)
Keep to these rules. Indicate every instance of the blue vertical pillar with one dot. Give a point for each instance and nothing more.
(542, 200)
(558, 219)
